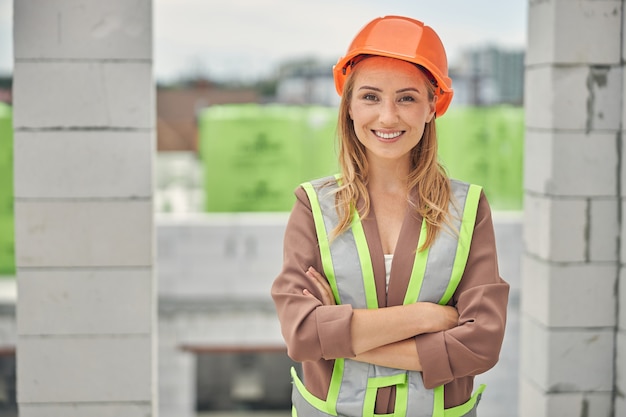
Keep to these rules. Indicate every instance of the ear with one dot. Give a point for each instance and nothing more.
(433, 107)
(350, 112)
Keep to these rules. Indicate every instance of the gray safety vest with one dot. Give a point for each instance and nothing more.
(436, 274)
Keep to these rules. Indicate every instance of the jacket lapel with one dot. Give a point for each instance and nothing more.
(403, 258)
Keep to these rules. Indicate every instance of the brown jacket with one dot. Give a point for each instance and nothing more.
(316, 334)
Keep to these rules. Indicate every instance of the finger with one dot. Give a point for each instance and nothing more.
(312, 272)
(317, 279)
(322, 289)
(322, 285)
(316, 283)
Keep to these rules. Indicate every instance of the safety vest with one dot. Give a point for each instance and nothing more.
(436, 274)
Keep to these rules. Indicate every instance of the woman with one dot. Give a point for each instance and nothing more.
(390, 294)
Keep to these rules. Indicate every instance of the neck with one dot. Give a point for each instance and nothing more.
(388, 176)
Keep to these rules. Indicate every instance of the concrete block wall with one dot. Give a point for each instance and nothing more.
(220, 256)
(84, 144)
(214, 273)
(572, 321)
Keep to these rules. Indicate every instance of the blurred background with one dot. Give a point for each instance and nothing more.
(246, 110)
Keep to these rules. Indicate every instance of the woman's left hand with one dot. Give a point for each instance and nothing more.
(322, 285)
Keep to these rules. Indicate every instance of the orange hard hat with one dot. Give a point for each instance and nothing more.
(402, 38)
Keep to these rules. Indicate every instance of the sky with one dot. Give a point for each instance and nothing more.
(248, 39)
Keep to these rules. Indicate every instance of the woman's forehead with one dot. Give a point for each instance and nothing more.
(386, 68)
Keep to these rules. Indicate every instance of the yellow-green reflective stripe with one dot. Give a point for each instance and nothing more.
(365, 259)
(310, 398)
(419, 269)
(438, 402)
(402, 400)
(335, 386)
(400, 407)
(373, 384)
(465, 240)
(465, 408)
(322, 238)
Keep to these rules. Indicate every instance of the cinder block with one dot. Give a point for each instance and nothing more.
(574, 295)
(79, 233)
(620, 371)
(177, 373)
(620, 405)
(578, 98)
(85, 369)
(603, 230)
(225, 327)
(567, 361)
(541, 33)
(87, 410)
(74, 29)
(622, 303)
(535, 403)
(622, 173)
(532, 401)
(571, 163)
(535, 289)
(580, 404)
(83, 95)
(603, 105)
(538, 98)
(85, 302)
(83, 164)
(588, 31)
(534, 352)
(623, 112)
(242, 252)
(539, 169)
(585, 354)
(623, 232)
(556, 228)
(571, 32)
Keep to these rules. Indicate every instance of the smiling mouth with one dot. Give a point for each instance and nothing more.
(387, 135)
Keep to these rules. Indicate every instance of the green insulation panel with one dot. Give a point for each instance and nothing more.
(254, 156)
(7, 241)
(485, 146)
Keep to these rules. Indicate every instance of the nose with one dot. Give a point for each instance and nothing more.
(388, 113)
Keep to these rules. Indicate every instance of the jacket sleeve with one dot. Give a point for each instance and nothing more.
(481, 299)
(311, 330)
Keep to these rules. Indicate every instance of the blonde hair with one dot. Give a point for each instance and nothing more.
(427, 176)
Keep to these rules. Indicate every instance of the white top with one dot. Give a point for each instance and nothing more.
(388, 259)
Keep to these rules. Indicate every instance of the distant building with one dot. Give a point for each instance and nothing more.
(483, 76)
(306, 81)
(6, 82)
(177, 108)
(489, 75)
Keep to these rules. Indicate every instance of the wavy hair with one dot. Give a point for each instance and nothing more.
(427, 177)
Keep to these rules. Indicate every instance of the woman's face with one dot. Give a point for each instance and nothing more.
(390, 107)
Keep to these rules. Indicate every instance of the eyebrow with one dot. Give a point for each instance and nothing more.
(402, 90)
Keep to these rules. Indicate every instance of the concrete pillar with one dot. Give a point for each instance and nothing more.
(84, 145)
(570, 346)
(619, 390)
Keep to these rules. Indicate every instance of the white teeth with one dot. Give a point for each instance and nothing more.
(387, 135)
